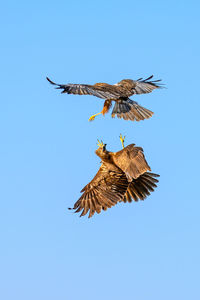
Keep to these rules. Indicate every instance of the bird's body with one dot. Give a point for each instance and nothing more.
(119, 93)
(123, 176)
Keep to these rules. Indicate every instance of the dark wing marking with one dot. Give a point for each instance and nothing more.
(102, 91)
(143, 86)
(105, 190)
(141, 187)
(131, 160)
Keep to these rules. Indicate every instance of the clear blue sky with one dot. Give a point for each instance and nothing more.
(147, 250)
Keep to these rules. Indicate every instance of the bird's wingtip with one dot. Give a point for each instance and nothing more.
(49, 80)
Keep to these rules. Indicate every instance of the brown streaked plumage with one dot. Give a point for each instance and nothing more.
(124, 107)
(141, 187)
(122, 176)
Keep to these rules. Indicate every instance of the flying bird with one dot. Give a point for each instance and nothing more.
(119, 93)
(122, 177)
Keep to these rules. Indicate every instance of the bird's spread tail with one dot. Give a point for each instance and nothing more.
(130, 110)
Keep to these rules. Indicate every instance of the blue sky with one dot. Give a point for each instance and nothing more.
(146, 250)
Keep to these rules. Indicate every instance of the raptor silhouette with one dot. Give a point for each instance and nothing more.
(122, 177)
(119, 93)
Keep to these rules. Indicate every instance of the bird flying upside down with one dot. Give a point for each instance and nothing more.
(120, 92)
(122, 176)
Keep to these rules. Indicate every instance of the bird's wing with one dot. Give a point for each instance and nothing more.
(103, 91)
(143, 86)
(131, 160)
(141, 187)
(105, 190)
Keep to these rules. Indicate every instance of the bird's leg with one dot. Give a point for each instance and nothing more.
(106, 107)
(93, 116)
(122, 140)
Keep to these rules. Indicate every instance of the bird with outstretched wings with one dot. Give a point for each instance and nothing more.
(122, 177)
(119, 93)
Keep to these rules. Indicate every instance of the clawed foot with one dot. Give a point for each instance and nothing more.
(122, 140)
(92, 118)
(100, 144)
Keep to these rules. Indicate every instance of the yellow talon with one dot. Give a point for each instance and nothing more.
(100, 144)
(122, 140)
(93, 117)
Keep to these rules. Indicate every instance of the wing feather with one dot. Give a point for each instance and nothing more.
(141, 187)
(106, 189)
(104, 91)
(132, 161)
(143, 86)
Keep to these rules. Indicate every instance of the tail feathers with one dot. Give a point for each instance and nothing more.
(130, 110)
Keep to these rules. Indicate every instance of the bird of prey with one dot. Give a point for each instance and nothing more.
(119, 93)
(122, 177)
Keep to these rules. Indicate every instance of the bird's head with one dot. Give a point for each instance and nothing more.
(101, 151)
(125, 83)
